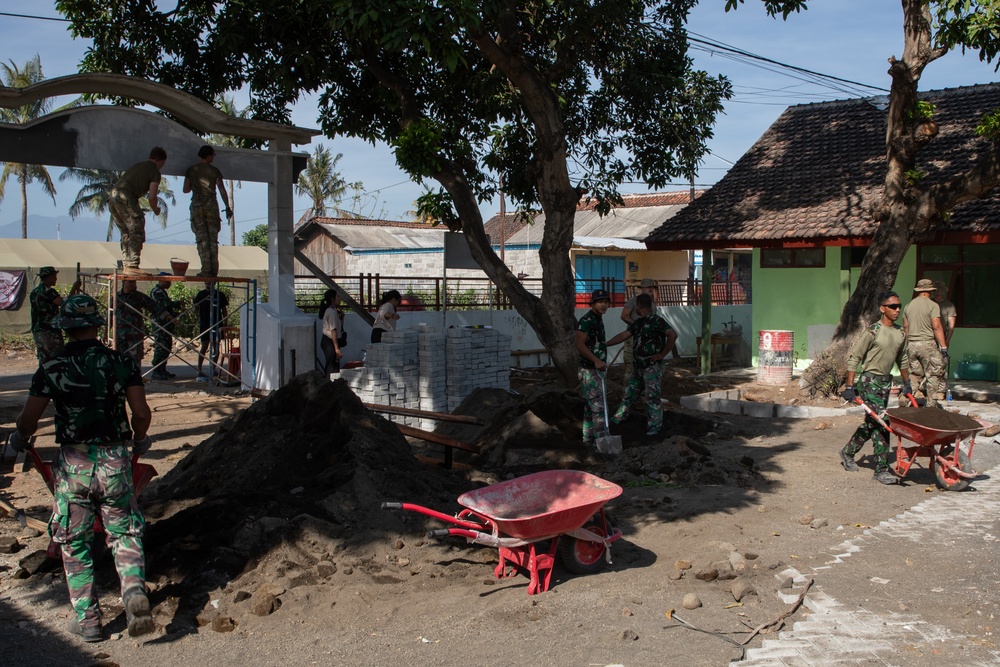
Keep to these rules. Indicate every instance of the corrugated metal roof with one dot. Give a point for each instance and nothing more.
(372, 237)
(620, 223)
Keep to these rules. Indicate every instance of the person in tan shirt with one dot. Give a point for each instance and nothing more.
(877, 349)
(925, 337)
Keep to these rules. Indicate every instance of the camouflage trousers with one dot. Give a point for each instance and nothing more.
(131, 222)
(133, 345)
(646, 382)
(161, 353)
(47, 344)
(98, 480)
(595, 421)
(927, 367)
(875, 393)
(206, 225)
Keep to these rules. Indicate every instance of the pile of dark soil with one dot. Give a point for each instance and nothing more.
(296, 479)
(684, 462)
(935, 418)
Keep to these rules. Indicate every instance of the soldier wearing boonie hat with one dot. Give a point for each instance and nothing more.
(92, 472)
(45, 302)
(949, 314)
(591, 343)
(925, 338)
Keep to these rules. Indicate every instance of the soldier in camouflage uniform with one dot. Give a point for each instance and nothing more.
(130, 326)
(90, 386)
(163, 336)
(201, 180)
(140, 180)
(925, 337)
(591, 343)
(45, 302)
(878, 347)
(653, 340)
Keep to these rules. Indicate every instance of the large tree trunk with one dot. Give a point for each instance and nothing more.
(907, 209)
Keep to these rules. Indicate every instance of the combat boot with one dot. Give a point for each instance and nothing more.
(847, 460)
(137, 612)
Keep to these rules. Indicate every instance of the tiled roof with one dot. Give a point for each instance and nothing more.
(819, 168)
(512, 223)
(642, 200)
(365, 222)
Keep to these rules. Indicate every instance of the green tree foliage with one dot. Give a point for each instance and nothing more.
(15, 76)
(256, 236)
(559, 99)
(96, 191)
(321, 182)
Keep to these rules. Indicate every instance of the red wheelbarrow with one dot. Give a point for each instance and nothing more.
(142, 474)
(950, 464)
(518, 515)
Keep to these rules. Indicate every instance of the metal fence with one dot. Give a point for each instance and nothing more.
(437, 293)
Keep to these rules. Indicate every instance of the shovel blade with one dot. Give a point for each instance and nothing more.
(610, 444)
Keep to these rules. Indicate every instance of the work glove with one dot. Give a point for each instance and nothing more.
(944, 352)
(19, 443)
(906, 389)
(849, 394)
(140, 447)
(229, 212)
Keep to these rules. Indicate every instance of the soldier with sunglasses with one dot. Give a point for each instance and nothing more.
(878, 347)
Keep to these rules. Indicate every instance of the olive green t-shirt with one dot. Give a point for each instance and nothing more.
(918, 315)
(878, 348)
(203, 178)
(135, 181)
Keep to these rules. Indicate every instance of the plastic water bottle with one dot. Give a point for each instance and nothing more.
(947, 395)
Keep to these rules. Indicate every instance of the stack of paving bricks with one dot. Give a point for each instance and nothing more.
(431, 370)
(476, 357)
(391, 375)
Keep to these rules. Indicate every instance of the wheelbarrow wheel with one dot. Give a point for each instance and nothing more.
(947, 479)
(583, 556)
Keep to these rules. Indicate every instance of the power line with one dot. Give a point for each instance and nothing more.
(37, 18)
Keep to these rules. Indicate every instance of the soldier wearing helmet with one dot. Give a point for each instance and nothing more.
(91, 385)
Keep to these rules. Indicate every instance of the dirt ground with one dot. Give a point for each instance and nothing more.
(267, 543)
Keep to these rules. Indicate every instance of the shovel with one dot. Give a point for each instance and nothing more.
(947, 378)
(607, 443)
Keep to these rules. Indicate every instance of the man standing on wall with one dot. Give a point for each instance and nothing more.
(925, 338)
(138, 180)
(201, 180)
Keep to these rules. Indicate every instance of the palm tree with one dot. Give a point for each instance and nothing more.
(96, 192)
(321, 182)
(227, 105)
(17, 77)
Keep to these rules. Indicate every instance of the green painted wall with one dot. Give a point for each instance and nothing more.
(796, 299)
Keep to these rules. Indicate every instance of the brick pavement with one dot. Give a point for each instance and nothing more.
(837, 632)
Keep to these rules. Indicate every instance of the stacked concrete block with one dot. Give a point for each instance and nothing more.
(430, 369)
(476, 357)
(433, 381)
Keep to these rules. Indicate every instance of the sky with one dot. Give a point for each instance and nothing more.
(849, 39)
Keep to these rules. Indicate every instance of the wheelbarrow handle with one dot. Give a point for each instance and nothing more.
(426, 511)
(392, 506)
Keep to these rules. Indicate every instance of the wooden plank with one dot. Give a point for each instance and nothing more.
(413, 412)
(435, 437)
(329, 282)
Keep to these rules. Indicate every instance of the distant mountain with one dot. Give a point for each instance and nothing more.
(65, 228)
(60, 227)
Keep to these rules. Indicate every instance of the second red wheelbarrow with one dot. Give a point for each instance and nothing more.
(563, 508)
